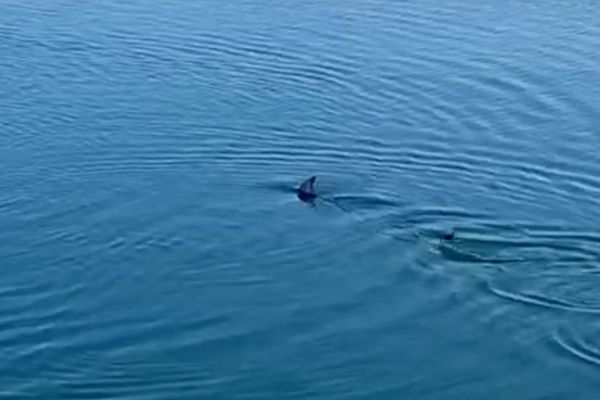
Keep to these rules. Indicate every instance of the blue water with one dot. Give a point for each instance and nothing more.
(152, 246)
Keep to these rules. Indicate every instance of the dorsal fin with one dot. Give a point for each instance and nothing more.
(308, 186)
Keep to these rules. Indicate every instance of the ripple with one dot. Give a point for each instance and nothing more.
(565, 284)
(576, 346)
(544, 301)
(152, 243)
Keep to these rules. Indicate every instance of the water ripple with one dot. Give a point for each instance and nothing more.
(152, 242)
(577, 346)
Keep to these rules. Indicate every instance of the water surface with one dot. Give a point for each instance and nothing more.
(152, 247)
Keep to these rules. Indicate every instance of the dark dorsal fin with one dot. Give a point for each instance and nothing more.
(308, 186)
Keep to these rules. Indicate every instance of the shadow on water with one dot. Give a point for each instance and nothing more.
(453, 251)
(326, 195)
(537, 265)
(402, 222)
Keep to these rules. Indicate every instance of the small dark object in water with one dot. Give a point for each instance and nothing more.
(306, 191)
(448, 236)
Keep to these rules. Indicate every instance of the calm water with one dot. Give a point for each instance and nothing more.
(152, 247)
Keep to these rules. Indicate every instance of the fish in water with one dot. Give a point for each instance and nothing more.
(306, 191)
(307, 194)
